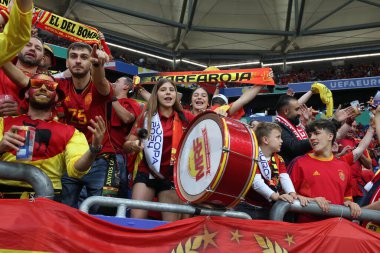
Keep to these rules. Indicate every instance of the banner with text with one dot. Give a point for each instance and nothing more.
(259, 76)
(340, 84)
(60, 26)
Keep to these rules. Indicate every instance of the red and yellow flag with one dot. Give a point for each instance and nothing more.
(47, 226)
(259, 76)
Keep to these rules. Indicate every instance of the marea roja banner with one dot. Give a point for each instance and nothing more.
(258, 76)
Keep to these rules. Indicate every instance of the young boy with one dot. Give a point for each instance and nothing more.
(271, 178)
(319, 175)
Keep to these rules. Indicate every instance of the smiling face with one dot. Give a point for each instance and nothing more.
(199, 100)
(42, 96)
(32, 53)
(166, 95)
(320, 140)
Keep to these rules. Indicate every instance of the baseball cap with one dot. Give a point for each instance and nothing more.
(49, 50)
(225, 99)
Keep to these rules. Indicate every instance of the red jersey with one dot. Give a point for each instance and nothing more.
(316, 177)
(80, 107)
(7, 87)
(237, 115)
(167, 127)
(117, 130)
(356, 167)
(348, 158)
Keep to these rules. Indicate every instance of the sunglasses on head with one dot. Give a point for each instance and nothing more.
(37, 83)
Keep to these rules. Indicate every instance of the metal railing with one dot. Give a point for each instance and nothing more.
(123, 204)
(39, 181)
(280, 208)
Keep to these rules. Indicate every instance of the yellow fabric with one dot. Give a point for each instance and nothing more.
(55, 166)
(16, 33)
(326, 97)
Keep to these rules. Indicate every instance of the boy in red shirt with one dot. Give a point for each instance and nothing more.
(319, 175)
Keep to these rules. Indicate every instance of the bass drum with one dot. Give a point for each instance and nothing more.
(216, 161)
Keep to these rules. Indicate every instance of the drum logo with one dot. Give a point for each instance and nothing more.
(199, 157)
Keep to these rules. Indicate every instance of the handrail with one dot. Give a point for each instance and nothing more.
(280, 208)
(30, 174)
(122, 204)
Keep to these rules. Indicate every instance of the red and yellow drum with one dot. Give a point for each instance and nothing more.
(216, 161)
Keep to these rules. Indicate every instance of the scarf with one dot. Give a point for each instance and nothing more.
(298, 131)
(153, 145)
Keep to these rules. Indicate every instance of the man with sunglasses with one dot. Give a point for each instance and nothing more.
(87, 93)
(57, 147)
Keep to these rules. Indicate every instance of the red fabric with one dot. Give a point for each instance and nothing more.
(80, 108)
(7, 87)
(356, 168)
(167, 127)
(54, 135)
(348, 158)
(117, 130)
(328, 178)
(44, 225)
(237, 115)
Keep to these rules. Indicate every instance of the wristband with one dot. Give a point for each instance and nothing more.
(95, 150)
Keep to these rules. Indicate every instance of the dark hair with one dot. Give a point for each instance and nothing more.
(283, 101)
(78, 45)
(324, 124)
(264, 129)
(38, 38)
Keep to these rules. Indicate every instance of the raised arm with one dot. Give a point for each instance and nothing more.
(98, 59)
(305, 97)
(17, 31)
(15, 75)
(244, 99)
(363, 144)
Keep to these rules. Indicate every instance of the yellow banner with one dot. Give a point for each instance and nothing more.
(64, 27)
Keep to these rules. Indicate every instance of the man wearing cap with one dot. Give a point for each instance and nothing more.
(57, 147)
(219, 103)
(48, 60)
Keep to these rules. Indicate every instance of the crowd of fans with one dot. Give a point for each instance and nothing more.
(332, 73)
(104, 134)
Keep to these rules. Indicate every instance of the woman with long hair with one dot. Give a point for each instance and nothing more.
(165, 121)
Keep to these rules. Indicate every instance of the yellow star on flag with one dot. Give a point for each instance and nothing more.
(289, 239)
(208, 238)
(236, 236)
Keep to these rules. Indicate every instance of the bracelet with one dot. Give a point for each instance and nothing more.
(95, 150)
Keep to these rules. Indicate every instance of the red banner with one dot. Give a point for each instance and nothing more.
(259, 76)
(47, 226)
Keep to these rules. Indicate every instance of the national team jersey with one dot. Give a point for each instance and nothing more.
(237, 115)
(7, 87)
(117, 130)
(79, 108)
(317, 177)
(57, 147)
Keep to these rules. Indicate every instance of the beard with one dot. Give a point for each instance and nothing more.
(41, 105)
(28, 61)
(295, 121)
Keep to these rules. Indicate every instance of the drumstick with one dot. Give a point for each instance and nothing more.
(142, 133)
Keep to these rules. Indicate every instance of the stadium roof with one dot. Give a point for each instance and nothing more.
(216, 32)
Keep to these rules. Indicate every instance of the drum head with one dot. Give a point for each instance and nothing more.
(199, 157)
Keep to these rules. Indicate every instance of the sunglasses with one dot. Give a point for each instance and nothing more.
(37, 83)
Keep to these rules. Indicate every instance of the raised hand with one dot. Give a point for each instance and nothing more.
(98, 57)
(97, 128)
